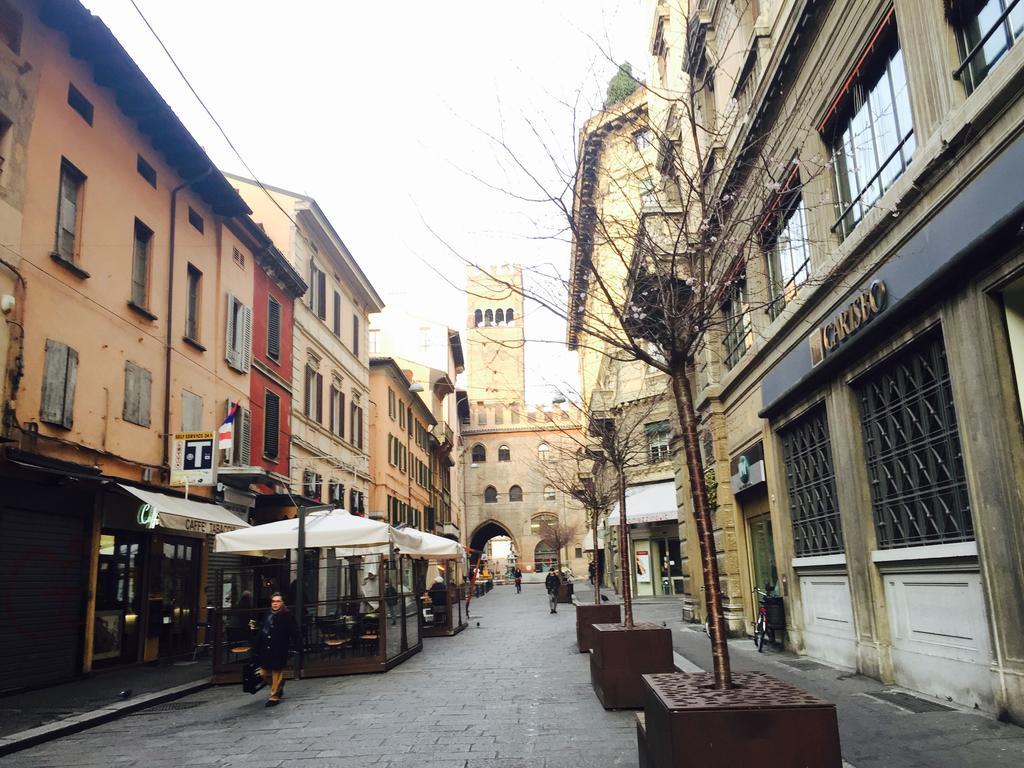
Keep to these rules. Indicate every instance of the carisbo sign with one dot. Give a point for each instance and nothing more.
(850, 319)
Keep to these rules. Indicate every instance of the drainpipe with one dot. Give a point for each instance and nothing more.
(170, 315)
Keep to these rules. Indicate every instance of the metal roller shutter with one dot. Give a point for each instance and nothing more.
(44, 543)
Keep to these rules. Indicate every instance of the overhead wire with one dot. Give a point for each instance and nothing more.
(206, 109)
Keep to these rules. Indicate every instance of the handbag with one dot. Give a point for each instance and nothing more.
(252, 680)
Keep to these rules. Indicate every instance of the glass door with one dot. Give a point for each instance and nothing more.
(118, 603)
(762, 554)
(179, 585)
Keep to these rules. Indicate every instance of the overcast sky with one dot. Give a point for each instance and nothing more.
(382, 110)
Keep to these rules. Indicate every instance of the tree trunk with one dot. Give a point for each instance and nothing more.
(705, 535)
(624, 555)
(597, 565)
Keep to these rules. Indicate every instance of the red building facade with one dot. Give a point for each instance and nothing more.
(276, 286)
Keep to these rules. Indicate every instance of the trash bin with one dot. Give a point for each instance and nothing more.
(775, 613)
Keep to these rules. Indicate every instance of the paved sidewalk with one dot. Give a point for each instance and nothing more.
(511, 693)
(52, 704)
(874, 733)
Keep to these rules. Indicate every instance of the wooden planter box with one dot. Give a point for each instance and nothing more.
(588, 614)
(565, 593)
(619, 657)
(761, 721)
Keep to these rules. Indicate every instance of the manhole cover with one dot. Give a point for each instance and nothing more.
(908, 702)
(170, 706)
(802, 664)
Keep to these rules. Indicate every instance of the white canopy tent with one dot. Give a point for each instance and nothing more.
(348, 534)
(409, 541)
(326, 528)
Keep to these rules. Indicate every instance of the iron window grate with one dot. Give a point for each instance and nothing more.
(915, 463)
(811, 485)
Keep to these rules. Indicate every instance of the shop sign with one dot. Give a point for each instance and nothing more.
(848, 321)
(747, 469)
(192, 459)
(146, 516)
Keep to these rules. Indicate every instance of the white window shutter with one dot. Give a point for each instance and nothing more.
(245, 441)
(245, 352)
(231, 354)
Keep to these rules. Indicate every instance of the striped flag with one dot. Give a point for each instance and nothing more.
(226, 433)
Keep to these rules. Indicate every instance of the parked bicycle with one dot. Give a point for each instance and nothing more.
(762, 628)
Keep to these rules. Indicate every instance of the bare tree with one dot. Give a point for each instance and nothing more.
(594, 469)
(677, 243)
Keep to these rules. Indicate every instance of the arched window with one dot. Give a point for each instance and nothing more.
(504, 454)
(541, 523)
(549, 493)
(515, 493)
(488, 317)
(545, 557)
(479, 454)
(478, 318)
(499, 317)
(509, 316)
(490, 495)
(543, 451)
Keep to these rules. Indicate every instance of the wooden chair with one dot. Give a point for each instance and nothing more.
(331, 637)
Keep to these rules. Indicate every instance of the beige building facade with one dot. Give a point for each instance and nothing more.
(509, 449)
(330, 427)
(864, 420)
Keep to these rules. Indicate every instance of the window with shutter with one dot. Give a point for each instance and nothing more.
(72, 182)
(238, 342)
(246, 350)
(140, 265)
(195, 278)
(60, 371)
(337, 314)
(241, 448)
(191, 412)
(138, 384)
(321, 295)
(245, 438)
(319, 399)
(308, 397)
(273, 329)
(341, 415)
(271, 424)
(355, 335)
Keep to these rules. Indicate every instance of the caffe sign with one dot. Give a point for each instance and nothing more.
(848, 321)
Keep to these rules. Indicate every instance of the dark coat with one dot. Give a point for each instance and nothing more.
(277, 635)
(552, 582)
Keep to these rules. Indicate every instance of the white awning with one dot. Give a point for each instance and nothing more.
(326, 528)
(588, 540)
(180, 514)
(651, 503)
(416, 543)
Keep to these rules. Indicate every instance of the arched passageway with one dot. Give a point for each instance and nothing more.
(485, 532)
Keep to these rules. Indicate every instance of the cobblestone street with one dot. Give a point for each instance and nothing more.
(512, 692)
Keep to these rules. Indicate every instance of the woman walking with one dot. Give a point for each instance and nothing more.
(277, 635)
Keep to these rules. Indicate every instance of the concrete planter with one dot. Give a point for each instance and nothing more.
(588, 614)
(619, 657)
(761, 721)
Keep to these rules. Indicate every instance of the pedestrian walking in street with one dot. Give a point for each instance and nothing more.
(552, 582)
(278, 635)
(592, 570)
(518, 575)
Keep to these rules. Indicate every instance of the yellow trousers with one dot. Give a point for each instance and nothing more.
(276, 679)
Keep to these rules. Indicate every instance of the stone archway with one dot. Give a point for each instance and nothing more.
(484, 532)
